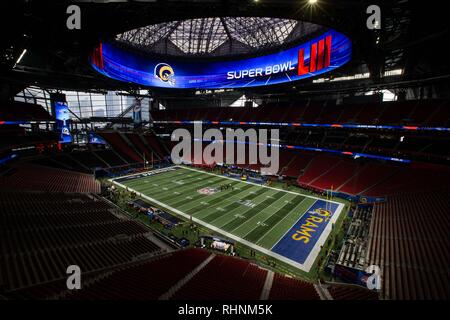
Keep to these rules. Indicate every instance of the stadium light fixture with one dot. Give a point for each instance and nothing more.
(312, 1)
(20, 57)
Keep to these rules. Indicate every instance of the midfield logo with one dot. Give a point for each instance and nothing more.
(207, 191)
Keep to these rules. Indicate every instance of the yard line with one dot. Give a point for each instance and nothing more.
(262, 186)
(155, 191)
(227, 201)
(164, 177)
(247, 213)
(287, 209)
(158, 176)
(292, 212)
(265, 211)
(239, 209)
(153, 179)
(199, 196)
(190, 187)
(162, 170)
(250, 213)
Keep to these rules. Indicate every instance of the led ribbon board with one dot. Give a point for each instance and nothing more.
(325, 53)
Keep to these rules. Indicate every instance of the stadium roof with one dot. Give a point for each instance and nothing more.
(217, 36)
(410, 39)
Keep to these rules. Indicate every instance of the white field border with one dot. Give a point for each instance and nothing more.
(306, 266)
(154, 172)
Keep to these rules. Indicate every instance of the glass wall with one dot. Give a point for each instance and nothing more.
(87, 104)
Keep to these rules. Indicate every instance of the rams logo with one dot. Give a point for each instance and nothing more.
(165, 73)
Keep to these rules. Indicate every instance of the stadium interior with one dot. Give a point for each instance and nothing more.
(88, 175)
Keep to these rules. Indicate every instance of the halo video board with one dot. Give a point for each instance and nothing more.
(325, 53)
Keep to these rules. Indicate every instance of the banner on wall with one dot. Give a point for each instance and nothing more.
(62, 116)
(137, 111)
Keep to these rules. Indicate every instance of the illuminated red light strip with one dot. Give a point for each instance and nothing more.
(410, 128)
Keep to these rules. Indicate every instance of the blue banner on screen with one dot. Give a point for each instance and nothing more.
(62, 115)
(320, 55)
(95, 139)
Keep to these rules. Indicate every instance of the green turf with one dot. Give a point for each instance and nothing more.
(257, 214)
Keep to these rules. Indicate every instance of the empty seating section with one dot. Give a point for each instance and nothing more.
(370, 175)
(331, 114)
(440, 117)
(155, 146)
(43, 233)
(65, 160)
(139, 145)
(411, 179)
(424, 113)
(147, 280)
(416, 144)
(110, 157)
(320, 171)
(366, 178)
(51, 264)
(134, 149)
(397, 112)
(409, 242)
(285, 288)
(421, 112)
(351, 292)
(50, 162)
(22, 111)
(297, 164)
(337, 175)
(355, 142)
(311, 113)
(121, 146)
(39, 178)
(319, 165)
(225, 278)
(12, 136)
(349, 114)
(285, 158)
(88, 159)
(381, 144)
(370, 113)
(32, 239)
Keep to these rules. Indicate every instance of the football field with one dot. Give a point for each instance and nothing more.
(285, 225)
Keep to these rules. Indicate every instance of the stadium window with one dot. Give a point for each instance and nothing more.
(73, 103)
(240, 102)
